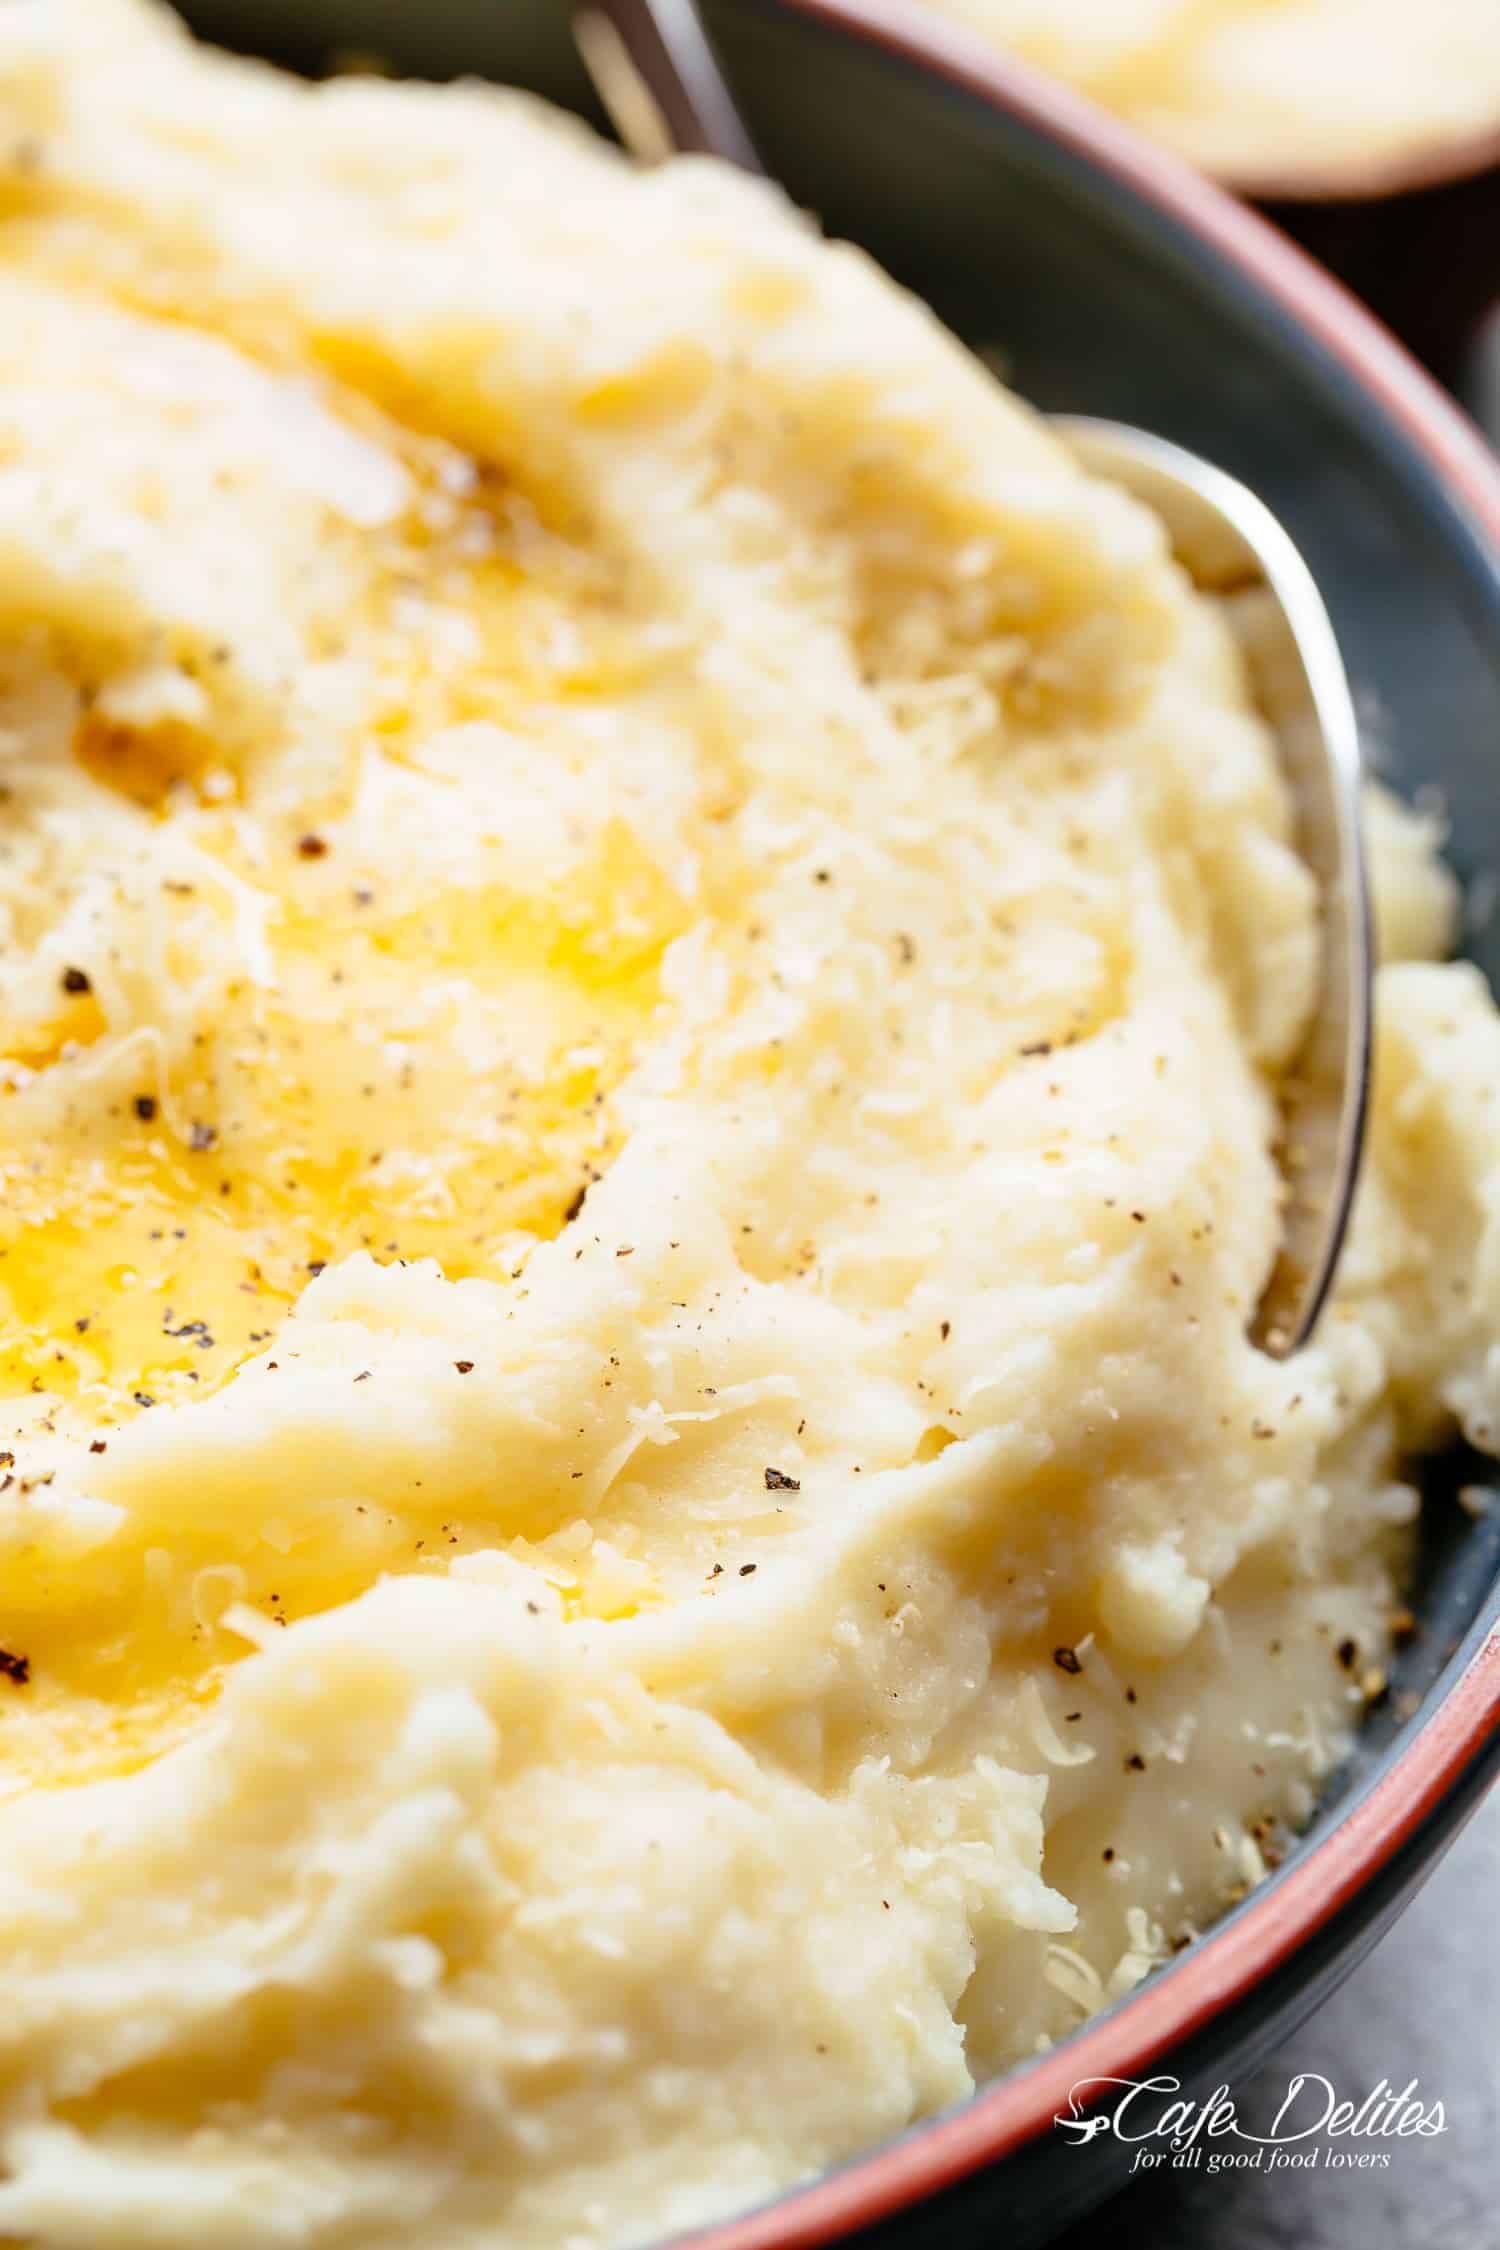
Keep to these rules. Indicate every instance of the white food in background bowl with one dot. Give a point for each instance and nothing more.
(542, 1716)
(1272, 92)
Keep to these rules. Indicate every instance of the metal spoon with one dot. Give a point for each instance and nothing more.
(655, 73)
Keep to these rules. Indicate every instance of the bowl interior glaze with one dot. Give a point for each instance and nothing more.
(1095, 300)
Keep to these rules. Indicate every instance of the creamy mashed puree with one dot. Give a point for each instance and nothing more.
(646, 952)
(1271, 90)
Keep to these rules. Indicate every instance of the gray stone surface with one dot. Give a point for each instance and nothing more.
(1426, 2004)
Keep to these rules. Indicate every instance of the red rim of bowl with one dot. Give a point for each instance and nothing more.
(1225, 1966)
(1412, 169)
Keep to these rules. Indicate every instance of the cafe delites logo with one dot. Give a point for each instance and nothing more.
(1315, 2128)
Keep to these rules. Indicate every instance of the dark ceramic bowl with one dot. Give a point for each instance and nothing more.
(1114, 282)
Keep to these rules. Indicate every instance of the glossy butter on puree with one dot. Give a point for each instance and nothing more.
(645, 957)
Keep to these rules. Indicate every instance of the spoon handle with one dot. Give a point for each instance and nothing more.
(657, 76)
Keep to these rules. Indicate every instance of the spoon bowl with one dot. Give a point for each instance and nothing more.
(655, 72)
(1232, 548)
